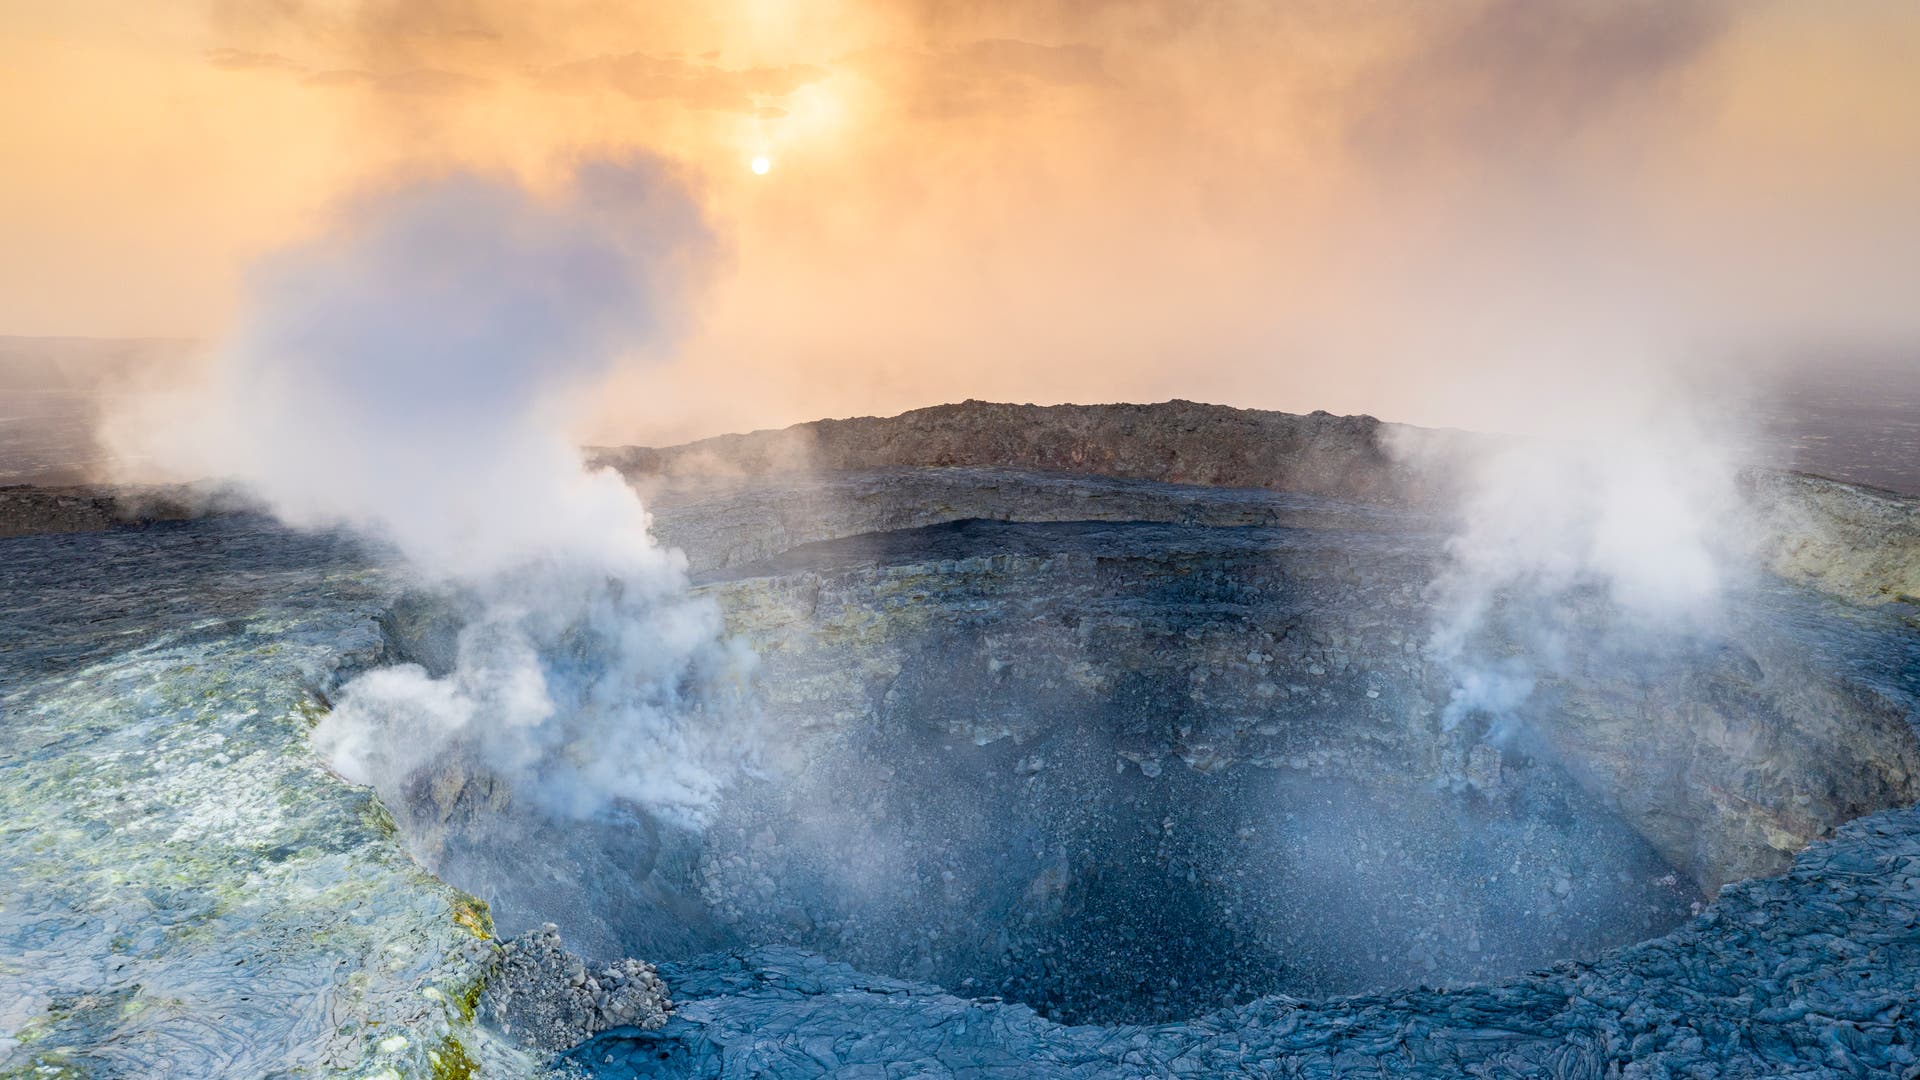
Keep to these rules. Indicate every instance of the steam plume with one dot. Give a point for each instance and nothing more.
(1639, 519)
(406, 375)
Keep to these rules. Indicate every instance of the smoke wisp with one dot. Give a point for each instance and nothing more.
(1606, 543)
(407, 375)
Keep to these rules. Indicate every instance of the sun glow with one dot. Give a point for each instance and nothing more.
(761, 165)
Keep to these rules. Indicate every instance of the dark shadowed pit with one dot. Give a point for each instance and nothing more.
(1130, 771)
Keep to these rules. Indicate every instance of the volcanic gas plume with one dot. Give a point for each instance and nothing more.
(405, 375)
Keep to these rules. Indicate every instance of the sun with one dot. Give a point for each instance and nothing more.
(761, 165)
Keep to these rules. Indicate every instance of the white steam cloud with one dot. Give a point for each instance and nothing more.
(406, 375)
(1639, 518)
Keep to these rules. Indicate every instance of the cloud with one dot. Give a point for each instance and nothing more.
(1387, 207)
(698, 85)
(1505, 77)
(426, 48)
(369, 26)
(1055, 65)
(241, 60)
(425, 81)
(970, 78)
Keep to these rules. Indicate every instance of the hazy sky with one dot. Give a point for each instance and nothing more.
(1359, 205)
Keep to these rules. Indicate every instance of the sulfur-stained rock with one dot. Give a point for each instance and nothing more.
(185, 891)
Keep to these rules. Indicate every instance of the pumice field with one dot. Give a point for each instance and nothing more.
(1005, 540)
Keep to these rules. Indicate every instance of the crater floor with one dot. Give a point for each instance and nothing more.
(1132, 772)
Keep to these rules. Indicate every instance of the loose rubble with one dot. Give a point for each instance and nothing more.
(545, 996)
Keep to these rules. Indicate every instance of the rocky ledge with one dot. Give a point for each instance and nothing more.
(28, 510)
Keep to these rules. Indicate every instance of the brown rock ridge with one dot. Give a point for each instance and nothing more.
(1858, 543)
(1179, 442)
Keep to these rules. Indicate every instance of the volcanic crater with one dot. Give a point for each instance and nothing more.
(1129, 719)
(1132, 751)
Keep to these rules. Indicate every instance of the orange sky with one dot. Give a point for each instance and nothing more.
(1376, 205)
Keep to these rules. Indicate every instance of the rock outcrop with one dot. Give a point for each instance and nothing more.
(26, 510)
(549, 998)
(1858, 543)
(1855, 542)
(1180, 442)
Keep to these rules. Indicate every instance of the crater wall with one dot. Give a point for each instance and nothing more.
(977, 716)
